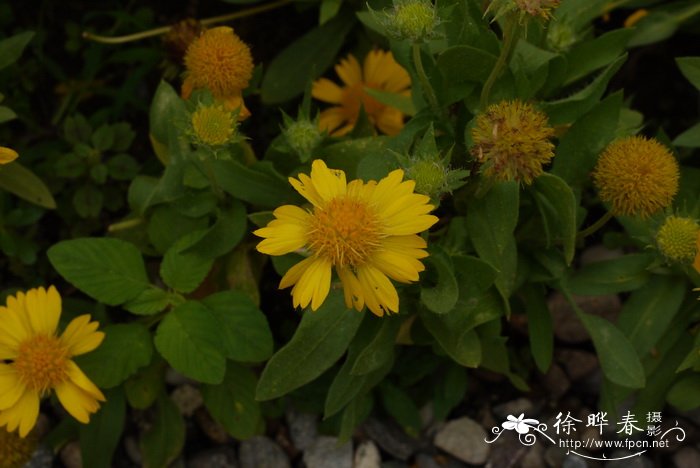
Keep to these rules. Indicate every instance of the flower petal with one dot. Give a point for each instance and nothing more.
(332, 118)
(325, 90)
(80, 336)
(292, 275)
(306, 189)
(380, 295)
(329, 183)
(43, 309)
(22, 414)
(7, 155)
(76, 401)
(352, 290)
(11, 388)
(313, 285)
(349, 70)
(81, 380)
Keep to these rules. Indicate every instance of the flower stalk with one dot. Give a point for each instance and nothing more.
(511, 32)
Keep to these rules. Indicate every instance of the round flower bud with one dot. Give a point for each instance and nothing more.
(413, 20)
(213, 125)
(303, 136)
(511, 140)
(637, 176)
(677, 239)
(430, 177)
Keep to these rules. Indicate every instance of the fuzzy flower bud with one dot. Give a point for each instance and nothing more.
(412, 20)
(677, 239)
(303, 136)
(511, 140)
(213, 126)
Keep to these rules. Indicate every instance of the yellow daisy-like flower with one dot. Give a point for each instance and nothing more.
(511, 140)
(221, 62)
(213, 125)
(15, 451)
(35, 360)
(7, 155)
(637, 176)
(380, 72)
(677, 239)
(367, 231)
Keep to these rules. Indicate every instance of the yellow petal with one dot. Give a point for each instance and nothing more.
(372, 66)
(349, 70)
(15, 327)
(80, 336)
(11, 388)
(294, 273)
(376, 284)
(329, 183)
(351, 289)
(325, 90)
(402, 268)
(390, 121)
(332, 118)
(306, 189)
(313, 285)
(43, 309)
(22, 414)
(292, 213)
(7, 155)
(386, 189)
(281, 239)
(76, 401)
(411, 226)
(81, 380)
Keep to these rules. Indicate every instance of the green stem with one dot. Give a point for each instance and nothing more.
(164, 29)
(128, 224)
(510, 33)
(423, 77)
(212, 179)
(595, 226)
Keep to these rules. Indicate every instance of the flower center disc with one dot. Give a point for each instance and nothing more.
(42, 362)
(345, 231)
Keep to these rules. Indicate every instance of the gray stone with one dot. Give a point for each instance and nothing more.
(578, 364)
(218, 457)
(463, 438)
(423, 460)
(302, 429)
(261, 452)
(132, 449)
(554, 456)
(687, 457)
(632, 462)
(367, 455)
(533, 458)
(568, 327)
(513, 407)
(187, 399)
(598, 253)
(390, 438)
(573, 461)
(41, 458)
(326, 453)
(71, 456)
(506, 451)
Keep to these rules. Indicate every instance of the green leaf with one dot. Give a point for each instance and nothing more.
(685, 393)
(461, 345)
(304, 59)
(650, 310)
(402, 408)
(377, 352)
(125, 349)
(143, 388)
(690, 67)
(189, 338)
(443, 296)
(20, 181)
(12, 47)
(232, 403)
(166, 117)
(589, 56)
(108, 270)
(491, 223)
(230, 227)
(149, 302)
(246, 334)
(571, 108)
(6, 114)
(689, 138)
(530, 66)
(87, 201)
(618, 359)
(184, 271)
(580, 146)
(320, 340)
(449, 391)
(100, 437)
(103, 138)
(655, 27)
(259, 184)
(328, 10)
(464, 63)
(557, 205)
(611, 276)
(163, 440)
(539, 326)
(397, 101)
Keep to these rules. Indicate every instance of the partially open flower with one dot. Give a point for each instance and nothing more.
(213, 125)
(412, 20)
(637, 176)
(221, 62)
(677, 239)
(303, 136)
(511, 140)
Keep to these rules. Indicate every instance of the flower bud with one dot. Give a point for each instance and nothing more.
(677, 239)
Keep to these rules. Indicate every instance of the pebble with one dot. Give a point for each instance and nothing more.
(71, 456)
(261, 452)
(302, 429)
(578, 364)
(568, 327)
(533, 458)
(367, 455)
(573, 461)
(556, 382)
(463, 438)
(326, 453)
(514, 408)
(632, 462)
(216, 432)
(390, 438)
(132, 449)
(41, 458)
(687, 457)
(554, 456)
(506, 451)
(187, 399)
(423, 460)
(598, 253)
(218, 457)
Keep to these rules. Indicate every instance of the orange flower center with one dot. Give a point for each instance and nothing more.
(42, 362)
(346, 231)
(355, 95)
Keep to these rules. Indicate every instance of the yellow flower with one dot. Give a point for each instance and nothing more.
(677, 239)
(380, 72)
(637, 176)
(219, 61)
(15, 451)
(511, 139)
(213, 125)
(7, 155)
(367, 231)
(35, 360)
